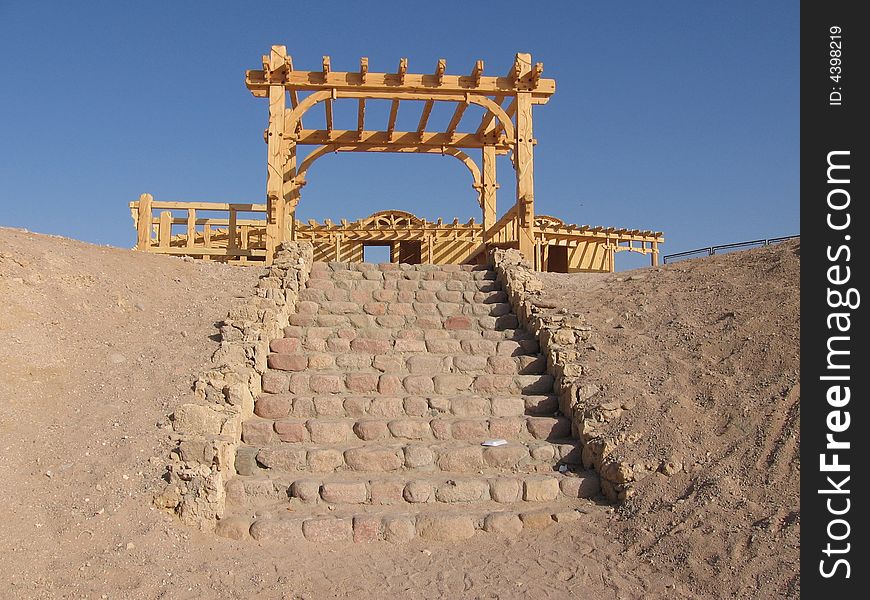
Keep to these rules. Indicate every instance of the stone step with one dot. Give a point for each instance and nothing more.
(402, 365)
(424, 321)
(364, 296)
(341, 382)
(324, 329)
(333, 430)
(362, 524)
(402, 309)
(265, 451)
(407, 346)
(402, 270)
(342, 489)
(286, 405)
(349, 283)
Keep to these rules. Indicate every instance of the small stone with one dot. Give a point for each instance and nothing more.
(235, 528)
(507, 524)
(445, 528)
(328, 529)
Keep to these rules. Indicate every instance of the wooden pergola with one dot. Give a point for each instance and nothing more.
(246, 233)
(506, 127)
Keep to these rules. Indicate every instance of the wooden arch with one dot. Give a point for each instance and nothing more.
(320, 151)
(506, 126)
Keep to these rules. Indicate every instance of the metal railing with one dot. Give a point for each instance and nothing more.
(711, 250)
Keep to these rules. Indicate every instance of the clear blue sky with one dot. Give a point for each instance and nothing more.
(675, 116)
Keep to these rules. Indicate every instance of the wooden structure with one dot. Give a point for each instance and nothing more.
(505, 128)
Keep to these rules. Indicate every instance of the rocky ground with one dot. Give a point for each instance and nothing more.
(100, 344)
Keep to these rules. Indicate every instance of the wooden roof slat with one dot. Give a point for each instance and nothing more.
(457, 117)
(424, 117)
(391, 123)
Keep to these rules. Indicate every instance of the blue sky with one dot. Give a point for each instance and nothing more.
(676, 116)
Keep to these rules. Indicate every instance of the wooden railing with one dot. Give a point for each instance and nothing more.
(227, 239)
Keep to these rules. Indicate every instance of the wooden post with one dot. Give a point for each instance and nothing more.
(143, 224)
(165, 231)
(654, 258)
(232, 242)
(291, 192)
(275, 167)
(191, 227)
(243, 242)
(206, 239)
(524, 163)
(488, 191)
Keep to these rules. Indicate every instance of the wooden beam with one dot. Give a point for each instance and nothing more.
(258, 83)
(275, 159)
(403, 69)
(439, 70)
(143, 222)
(391, 123)
(425, 138)
(191, 227)
(326, 68)
(457, 117)
(361, 116)
(424, 117)
(489, 186)
(477, 72)
(524, 164)
(328, 108)
(294, 95)
(536, 71)
(363, 68)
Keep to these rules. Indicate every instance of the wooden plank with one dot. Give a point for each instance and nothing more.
(232, 229)
(165, 231)
(424, 117)
(309, 81)
(340, 137)
(250, 252)
(220, 206)
(391, 123)
(361, 116)
(456, 118)
(191, 227)
(143, 223)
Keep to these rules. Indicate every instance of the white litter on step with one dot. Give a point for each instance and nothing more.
(498, 442)
(563, 468)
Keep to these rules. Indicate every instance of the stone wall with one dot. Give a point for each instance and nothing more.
(564, 338)
(208, 431)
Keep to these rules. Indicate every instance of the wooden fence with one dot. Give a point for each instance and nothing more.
(180, 228)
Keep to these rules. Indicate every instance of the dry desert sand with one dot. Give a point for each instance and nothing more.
(699, 359)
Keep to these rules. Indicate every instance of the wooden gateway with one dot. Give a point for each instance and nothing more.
(247, 233)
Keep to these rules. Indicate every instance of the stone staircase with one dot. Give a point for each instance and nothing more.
(375, 406)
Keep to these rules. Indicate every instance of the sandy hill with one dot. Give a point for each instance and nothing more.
(100, 344)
